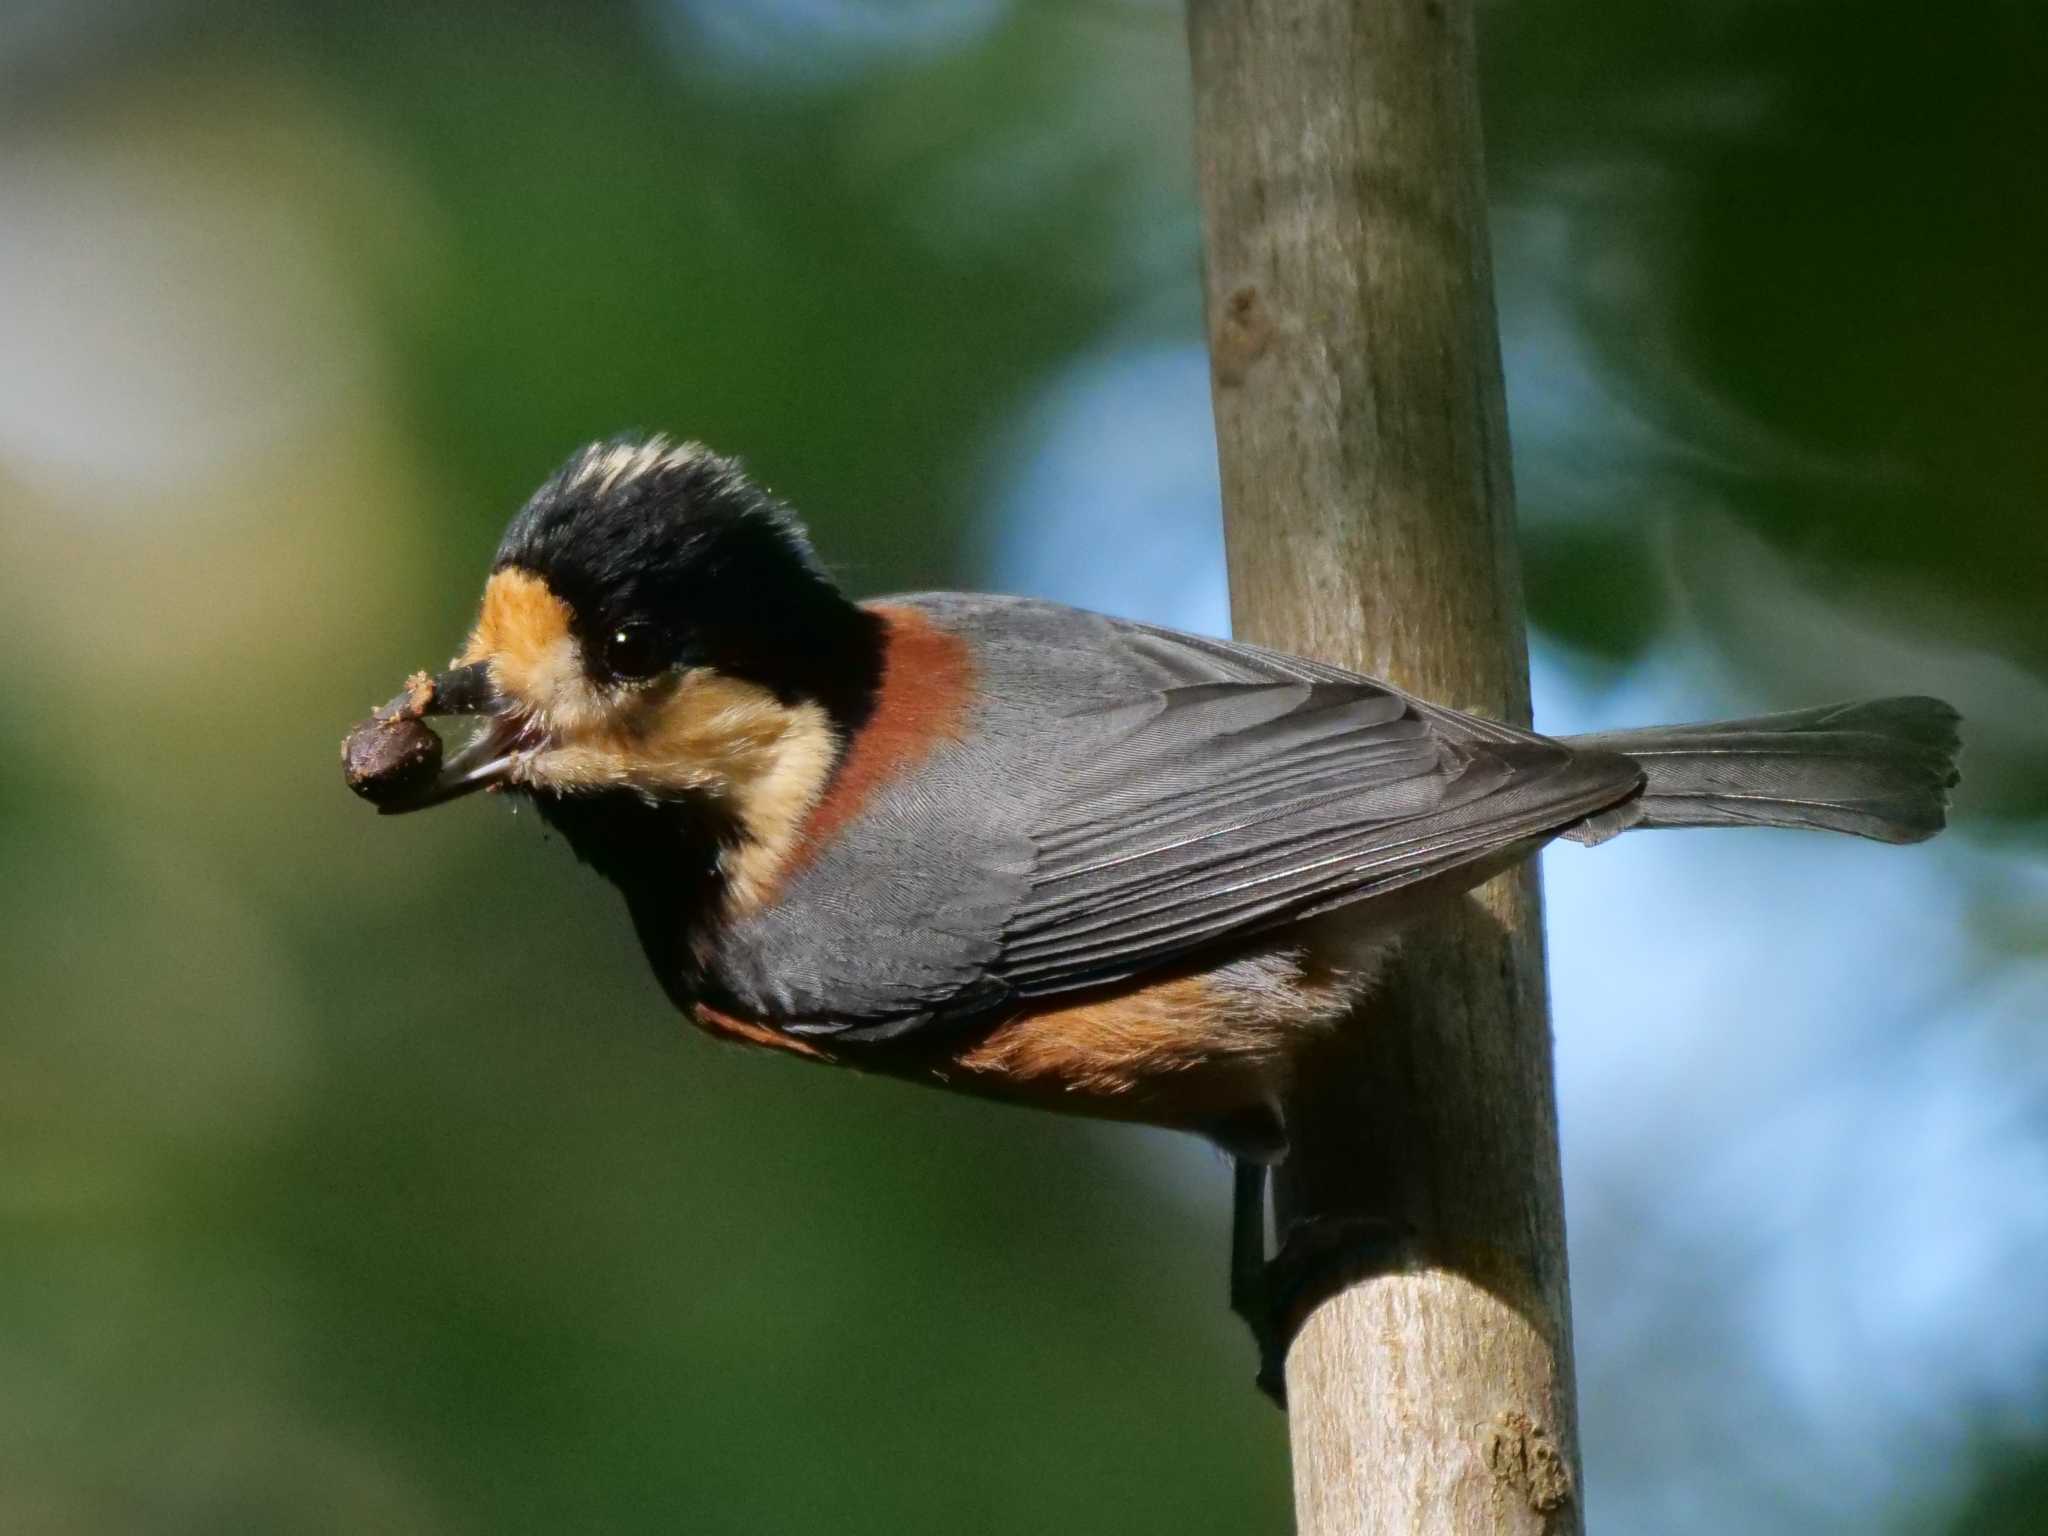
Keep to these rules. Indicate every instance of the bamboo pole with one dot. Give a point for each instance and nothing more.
(1370, 522)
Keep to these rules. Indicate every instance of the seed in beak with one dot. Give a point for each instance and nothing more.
(390, 758)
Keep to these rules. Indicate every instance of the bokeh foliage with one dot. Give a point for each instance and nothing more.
(1811, 236)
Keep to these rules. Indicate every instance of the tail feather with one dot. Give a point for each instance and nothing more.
(1881, 769)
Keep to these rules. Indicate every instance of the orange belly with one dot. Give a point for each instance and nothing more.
(1183, 1050)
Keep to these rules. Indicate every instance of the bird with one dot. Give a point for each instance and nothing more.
(1017, 849)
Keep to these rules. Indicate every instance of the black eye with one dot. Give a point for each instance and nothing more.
(632, 652)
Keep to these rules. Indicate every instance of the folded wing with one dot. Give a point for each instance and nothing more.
(1135, 796)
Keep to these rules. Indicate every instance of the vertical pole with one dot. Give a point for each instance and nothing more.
(1369, 517)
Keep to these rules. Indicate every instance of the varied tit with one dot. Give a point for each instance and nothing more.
(1018, 849)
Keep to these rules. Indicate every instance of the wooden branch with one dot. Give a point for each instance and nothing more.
(1370, 522)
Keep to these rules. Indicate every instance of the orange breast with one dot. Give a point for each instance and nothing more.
(1175, 1053)
(1181, 1051)
(1186, 1050)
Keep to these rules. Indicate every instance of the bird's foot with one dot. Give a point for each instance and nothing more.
(1318, 1256)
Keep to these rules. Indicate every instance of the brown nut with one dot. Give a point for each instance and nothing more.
(386, 759)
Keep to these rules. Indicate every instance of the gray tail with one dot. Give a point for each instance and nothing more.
(1882, 768)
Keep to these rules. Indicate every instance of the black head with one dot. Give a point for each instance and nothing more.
(656, 628)
(668, 557)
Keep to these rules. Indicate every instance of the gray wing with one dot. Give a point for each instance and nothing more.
(1131, 795)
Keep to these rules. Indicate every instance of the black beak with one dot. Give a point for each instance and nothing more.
(485, 761)
(458, 691)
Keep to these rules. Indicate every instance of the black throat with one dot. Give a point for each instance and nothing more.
(664, 858)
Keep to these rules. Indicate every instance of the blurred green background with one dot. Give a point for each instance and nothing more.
(354, 1174)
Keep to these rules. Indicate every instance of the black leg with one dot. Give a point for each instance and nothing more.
(1251, 1290)
(1248, 1241)
(1317, 1258)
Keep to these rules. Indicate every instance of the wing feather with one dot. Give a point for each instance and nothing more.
(1129, 797)
(1235, 805)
